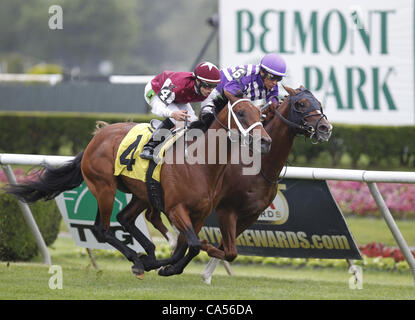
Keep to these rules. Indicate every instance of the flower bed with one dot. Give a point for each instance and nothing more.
(355, 198)
(20, 175)
(18, 172)
(375, 249)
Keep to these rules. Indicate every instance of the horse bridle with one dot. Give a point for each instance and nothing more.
(297, 118)
(231, 114)
(302, 128)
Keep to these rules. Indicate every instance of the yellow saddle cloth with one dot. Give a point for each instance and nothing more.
(128, 162)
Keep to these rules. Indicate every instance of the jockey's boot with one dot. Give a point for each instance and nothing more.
(156, 138)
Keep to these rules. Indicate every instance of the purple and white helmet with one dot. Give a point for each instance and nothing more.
(274, 64)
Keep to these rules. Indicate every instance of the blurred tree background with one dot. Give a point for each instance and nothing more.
(131, 36)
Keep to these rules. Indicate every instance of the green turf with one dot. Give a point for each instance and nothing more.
(367, 230)
(115, 281)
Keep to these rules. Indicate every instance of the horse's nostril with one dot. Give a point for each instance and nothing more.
(323, 128)
(265, 140)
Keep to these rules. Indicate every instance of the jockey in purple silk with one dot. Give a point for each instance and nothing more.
(255, 82)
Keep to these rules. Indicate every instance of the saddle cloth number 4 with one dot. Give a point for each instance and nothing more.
(123, 158)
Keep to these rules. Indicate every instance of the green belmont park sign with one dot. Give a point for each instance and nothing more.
(356, 57)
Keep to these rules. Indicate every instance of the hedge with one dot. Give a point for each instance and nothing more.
(16, 241)
(47, 133)
(390, 147)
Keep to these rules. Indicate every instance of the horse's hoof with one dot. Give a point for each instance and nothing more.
(166, 271)
(138, 272)
(207, 279)
(140, 276)
(148, 262)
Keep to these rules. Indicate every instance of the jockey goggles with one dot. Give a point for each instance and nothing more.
(273, 77)
(208, 85)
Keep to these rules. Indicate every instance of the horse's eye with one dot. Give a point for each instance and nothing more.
(301, 106)
(240, 113)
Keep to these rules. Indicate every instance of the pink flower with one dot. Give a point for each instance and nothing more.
(355, 198)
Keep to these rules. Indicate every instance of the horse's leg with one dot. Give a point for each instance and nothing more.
(104, 234)
(179, 216)
(227, 219)
(104, 190)
(231, 226)
(126, 218)
(242, 223)
(178, 253)
(139, 189)
(228, 243)
(212, 251)
(208, 271)
(153, 215)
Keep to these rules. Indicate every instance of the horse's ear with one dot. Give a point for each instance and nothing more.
(290, 91)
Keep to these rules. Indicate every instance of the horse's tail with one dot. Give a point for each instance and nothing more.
(50, 182)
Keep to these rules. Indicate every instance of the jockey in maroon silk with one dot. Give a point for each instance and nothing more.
(169, 95)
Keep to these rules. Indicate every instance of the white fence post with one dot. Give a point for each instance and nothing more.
(392, 226)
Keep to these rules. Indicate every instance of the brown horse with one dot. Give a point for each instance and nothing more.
(241, 204)
(189, 190)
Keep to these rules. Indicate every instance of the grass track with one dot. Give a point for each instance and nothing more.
(367, 230)
(115, 281)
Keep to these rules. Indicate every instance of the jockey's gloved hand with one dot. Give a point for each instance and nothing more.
(206, 114)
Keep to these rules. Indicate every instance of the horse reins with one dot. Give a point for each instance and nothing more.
(278, 178)
(285, 120)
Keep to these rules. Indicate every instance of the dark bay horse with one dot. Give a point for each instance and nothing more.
(241, 204)
(190, 191)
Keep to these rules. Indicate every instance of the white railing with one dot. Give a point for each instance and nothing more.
(370, 177)
(53, 79)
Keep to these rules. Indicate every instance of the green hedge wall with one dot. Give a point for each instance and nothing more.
(16, 241)
(383, 147)
(46, 133)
